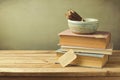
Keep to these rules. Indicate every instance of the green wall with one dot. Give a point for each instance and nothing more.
(34, 24)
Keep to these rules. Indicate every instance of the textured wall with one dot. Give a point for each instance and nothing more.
(34, 24)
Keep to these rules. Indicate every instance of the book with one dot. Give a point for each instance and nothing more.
(91, 61)
(88, 59)
(107, 51)
(99, 39)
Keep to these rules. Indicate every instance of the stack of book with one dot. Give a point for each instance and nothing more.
(92, 50)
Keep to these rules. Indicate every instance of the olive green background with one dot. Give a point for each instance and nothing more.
(35, 24)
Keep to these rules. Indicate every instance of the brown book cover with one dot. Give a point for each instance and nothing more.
(88, 60)
(99, 39)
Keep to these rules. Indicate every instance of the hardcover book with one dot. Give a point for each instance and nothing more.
(88, 59)
(99, 39)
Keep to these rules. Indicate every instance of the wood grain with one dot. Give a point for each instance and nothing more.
(60, 78)
(42, 63)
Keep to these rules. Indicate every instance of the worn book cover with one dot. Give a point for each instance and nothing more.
(99, 39)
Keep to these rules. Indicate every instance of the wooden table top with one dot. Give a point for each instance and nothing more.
(42, 63)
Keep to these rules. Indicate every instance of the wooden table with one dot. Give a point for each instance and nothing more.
(36, 65)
